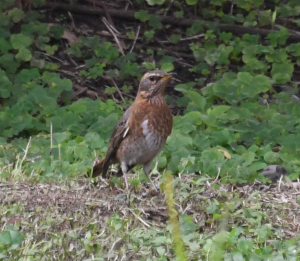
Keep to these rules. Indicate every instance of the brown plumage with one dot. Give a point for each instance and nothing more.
(143, 129)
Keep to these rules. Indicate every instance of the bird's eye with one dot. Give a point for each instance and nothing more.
(152, 78)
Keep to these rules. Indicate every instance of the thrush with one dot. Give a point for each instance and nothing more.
(142, 131)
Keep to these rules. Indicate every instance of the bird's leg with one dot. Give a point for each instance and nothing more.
(147, 172)
(125, 170)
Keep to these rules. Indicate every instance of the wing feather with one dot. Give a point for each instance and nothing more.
(116, 138)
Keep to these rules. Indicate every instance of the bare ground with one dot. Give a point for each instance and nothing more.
(97, 204)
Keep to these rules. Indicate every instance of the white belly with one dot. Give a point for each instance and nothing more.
(144, 148)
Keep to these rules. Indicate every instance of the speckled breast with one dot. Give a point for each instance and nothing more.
(148, 131)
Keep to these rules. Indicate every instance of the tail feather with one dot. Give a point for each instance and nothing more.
(98, 168)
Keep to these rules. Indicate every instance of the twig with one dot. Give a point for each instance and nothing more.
(73, 61)
(73, 23)
(171, 3)
(55, 58)
(140, 219)
(237, 29)
(219, 170)
(105, 33)
(26, 150)
(80, 66)
(83, 90)
(110, 28)
(231, 7)
(112, 247)
(130, 2)
(118, 90)
(135, 38)
(290, 30)
(126, 7)
(110, 25)
(192, 37)
(95, 2)
(279, 183)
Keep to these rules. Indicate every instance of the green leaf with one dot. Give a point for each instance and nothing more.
(272, 157)
(212, 209)
(245, 4)
(217, 2)
(16, 237)
(167, 67)
(237, 257)
(20, 40)
(155, 2)
(257, 3)
(226, 37)
(24, 54)
(149, 34)
(161, 251)
(60, 137)
(191, 2)
(219, 109)
(245, 77)
(282, 72)
(149, 66)
(185, 86)
(4, 81)
(4, 93)
(188, 122)
(57, 31)
(179, 14)
(175, 38)
(245, 86)
(142, 15)
(106, 51)
(277, 56)
(198, 100)
(5, 46)
(27, 75)
(178, 140)
(187, 226)
(196, 28)
(5, 237)
(16, 15)
(155, 22)
(51, 49)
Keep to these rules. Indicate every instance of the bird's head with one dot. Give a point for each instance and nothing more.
(153, 84)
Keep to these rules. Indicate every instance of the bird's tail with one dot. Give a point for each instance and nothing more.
(98, 168)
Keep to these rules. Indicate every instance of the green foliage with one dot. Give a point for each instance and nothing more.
(10, 239)
(191, 2)
(168, 67)
(142, 15)
(222, 128)
(225, 114)
(244, 86)
(155, 2)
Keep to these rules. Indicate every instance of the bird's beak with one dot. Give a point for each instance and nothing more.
(167, 78)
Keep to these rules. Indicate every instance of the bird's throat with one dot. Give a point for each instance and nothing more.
(157, 99)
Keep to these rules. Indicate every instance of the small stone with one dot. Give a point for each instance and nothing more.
(274, 172)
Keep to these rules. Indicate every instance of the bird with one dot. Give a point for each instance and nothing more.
(142, 131)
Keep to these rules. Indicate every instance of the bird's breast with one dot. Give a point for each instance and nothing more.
(148, 132)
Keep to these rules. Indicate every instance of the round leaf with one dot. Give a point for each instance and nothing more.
(24, 54)
(167, 67)
(191, 2)
(20, 40)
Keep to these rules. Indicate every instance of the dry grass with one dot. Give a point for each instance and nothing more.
(80, 221)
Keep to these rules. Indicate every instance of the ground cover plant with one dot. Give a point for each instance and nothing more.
(67, 73)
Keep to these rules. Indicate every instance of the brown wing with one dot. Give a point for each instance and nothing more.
(116, 138)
